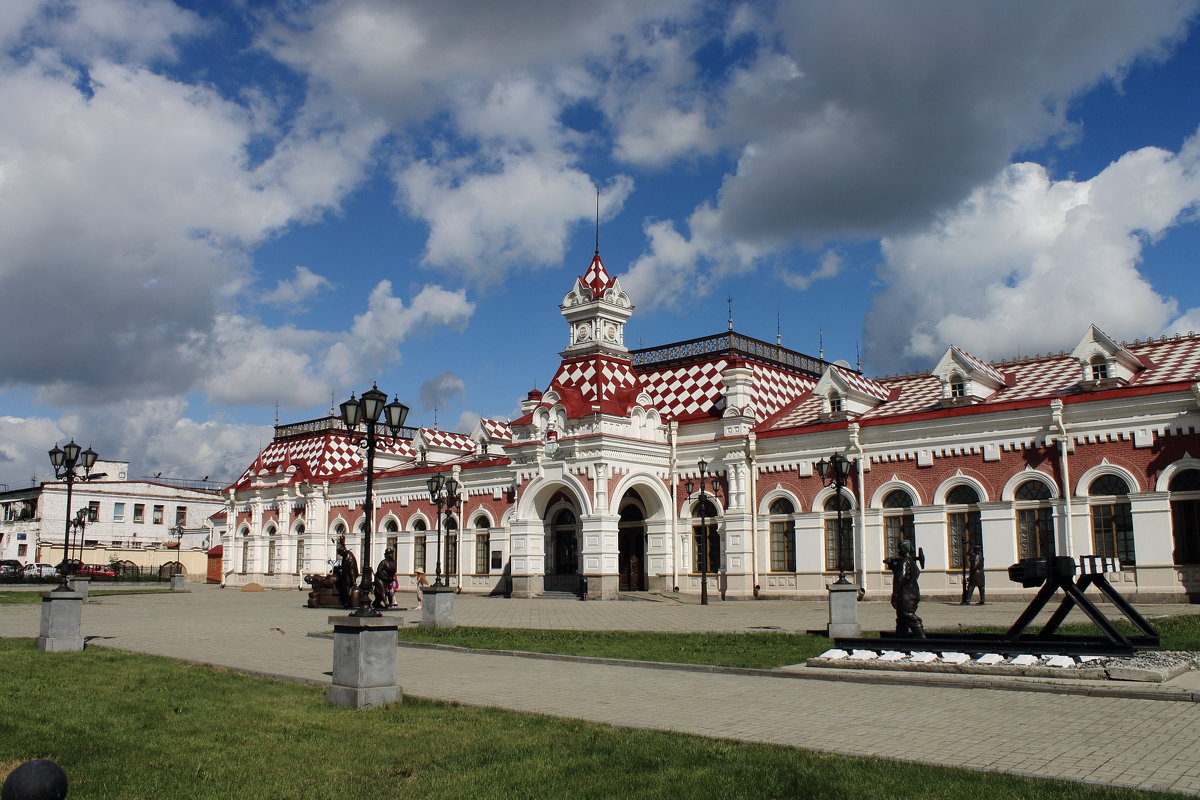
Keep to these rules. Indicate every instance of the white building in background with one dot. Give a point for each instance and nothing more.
(597, 488)
(148, 522)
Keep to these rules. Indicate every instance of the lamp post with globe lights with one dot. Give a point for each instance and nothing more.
(835, 472)
(366, 412)
(66, 460)
(702, 465)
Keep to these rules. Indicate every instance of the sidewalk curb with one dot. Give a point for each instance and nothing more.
(941, 680)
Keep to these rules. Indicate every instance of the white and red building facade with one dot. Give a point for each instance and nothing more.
(1092, 451)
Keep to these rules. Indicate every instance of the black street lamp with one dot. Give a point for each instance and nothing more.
(834, 472)
(79, 524)
(703, 503)
(366, 412)
(65, 461)
(443, 491)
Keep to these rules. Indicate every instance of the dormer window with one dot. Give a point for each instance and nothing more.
(835, 403)
(958, 386)
(1099, 367)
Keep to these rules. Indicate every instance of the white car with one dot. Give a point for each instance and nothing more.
(40, 571)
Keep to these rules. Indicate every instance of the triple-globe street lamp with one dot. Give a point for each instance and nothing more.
(366, 411)
(66, 460)
(443, 491)
(835, 472)
(702, 465)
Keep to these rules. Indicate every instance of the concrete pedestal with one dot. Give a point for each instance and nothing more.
(437, 609)
(79, 585)
(843, 610)
(177, 583)
(61, 615)
(364, 663)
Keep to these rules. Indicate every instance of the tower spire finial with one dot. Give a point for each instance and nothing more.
(820, 344)
(729, 302)
(597, 220)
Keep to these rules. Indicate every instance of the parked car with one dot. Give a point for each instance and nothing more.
(96, 572)
(40, 570)
(10, 568)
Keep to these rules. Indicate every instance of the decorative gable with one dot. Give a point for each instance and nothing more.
(1104, 362)
(966, 379)
(844, 392)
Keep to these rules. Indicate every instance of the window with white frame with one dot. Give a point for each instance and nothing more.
(1035, 520)
(839, 542)
(118, 512)
(419, 545)
(706, 541)
(1112, 518)
(964, 530)
(482, 545)
(783, 535)
(1185, 516)
(898, 522)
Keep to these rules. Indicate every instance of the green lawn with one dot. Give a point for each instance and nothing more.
(27, 597)
(751, 650)
(132, 726)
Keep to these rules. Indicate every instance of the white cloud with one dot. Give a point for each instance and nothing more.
(1026, 263)
(829, 266)
(388, 321)
(295, 292)
(438, 392)
(484, 224)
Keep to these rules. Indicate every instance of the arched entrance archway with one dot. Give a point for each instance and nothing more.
(631, 546)
(562, 554)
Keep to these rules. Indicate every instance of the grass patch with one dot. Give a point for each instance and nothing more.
(28, 598)
(750, 650)
(753, 650)
(141, 726)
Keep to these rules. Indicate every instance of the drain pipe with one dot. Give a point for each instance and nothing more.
(752, 463)
(859, 553)
(1056, 416)
(672, 517)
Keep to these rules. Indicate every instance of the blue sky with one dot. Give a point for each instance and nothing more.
(213, 208)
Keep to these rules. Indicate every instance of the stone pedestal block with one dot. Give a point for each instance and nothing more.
(79, 585)
(61, 616)
(843, 610)
(364, 663)
(177, 581)
(437, 609)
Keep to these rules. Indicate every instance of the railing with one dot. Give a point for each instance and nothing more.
(732, 344)
(329, 424)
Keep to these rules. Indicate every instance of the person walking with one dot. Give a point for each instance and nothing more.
(421, 584)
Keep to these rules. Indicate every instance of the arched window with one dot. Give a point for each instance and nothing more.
(245, 550)
(482, 544)
(1035, 520)
(450, 528)
(1185, 516)
(1112, 520)
(963, 527)
(898, 522)
(958, 386)
(706, 551)
(783, 535)
(272, 552)
(299, 548)
(839, 542)
(391, 533)
(419, 546)
(1099, 368)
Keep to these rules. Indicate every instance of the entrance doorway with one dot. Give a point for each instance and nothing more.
(631, 550)
(562, 573)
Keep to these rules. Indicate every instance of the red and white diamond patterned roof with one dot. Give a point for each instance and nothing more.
(604, 381)
(596, 277)
(1168, 361)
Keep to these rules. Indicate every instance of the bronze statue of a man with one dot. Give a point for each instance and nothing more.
(382, 587)
(346, 573)
(906, 593)
(975, 576)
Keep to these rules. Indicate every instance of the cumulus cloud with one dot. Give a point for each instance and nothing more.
(294, 293)
(1026, 262)
(388, 321)
(438, 392)
(876, 114)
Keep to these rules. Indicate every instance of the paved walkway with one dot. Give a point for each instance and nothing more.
(1143, 743)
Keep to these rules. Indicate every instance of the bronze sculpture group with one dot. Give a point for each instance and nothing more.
(340, 587)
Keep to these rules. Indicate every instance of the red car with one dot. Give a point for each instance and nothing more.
(96, 572)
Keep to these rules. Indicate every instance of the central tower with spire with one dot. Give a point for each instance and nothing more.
(596, 309)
